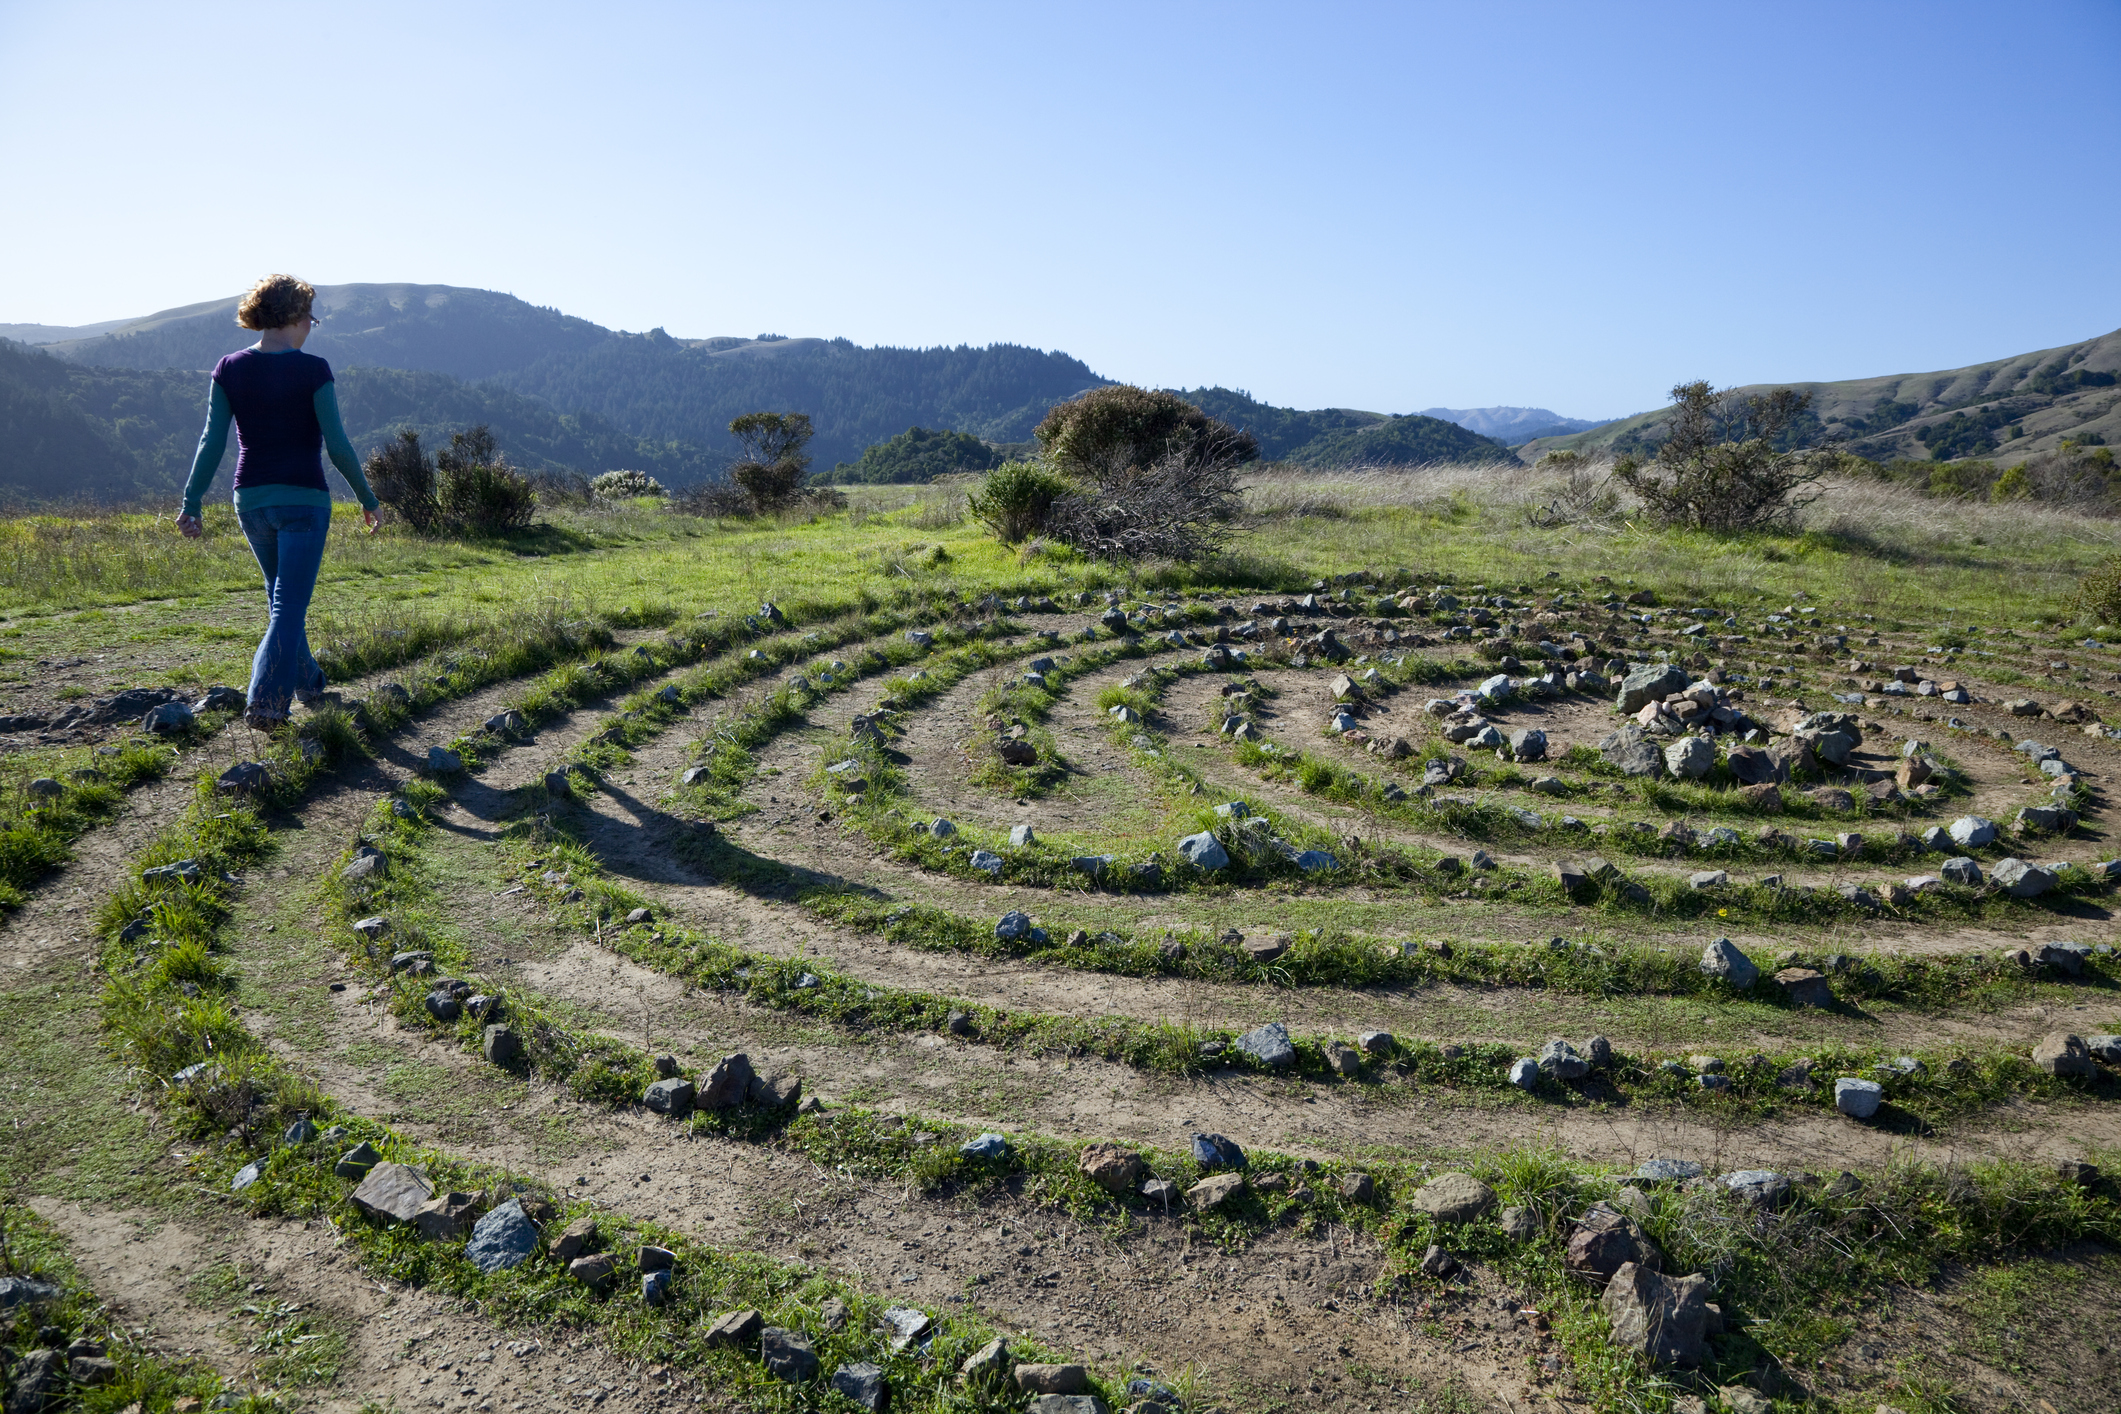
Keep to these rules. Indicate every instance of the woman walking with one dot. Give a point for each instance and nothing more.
(285, 410)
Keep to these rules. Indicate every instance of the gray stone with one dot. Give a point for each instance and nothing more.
(1805, 987)
(357, 1161)
(1453, 1198)
(1022, 837)
(1667, 1170)
(299, 1133)
(41, 1375)
(1204, 851)
(1377, 1043)
(1763, 1188)
(392, 1191)
(503, 1238)
(243, 778)
(1217, 1151)
(1723, 959)
(247, 1175)
(991, 1147)
(168, 719)
(864, 1383)
(1519, 1224)
(2051, 818)
(1560, 1059)
(787, 1355)
(441, 761)
(1858, 1098)
(1629, 752)
(672, 1097)
(1662, 1318)
(1013, 927)
(989, 1365)
(1524, 1073)
(1269, 1045)
(986, 860)
(1689, 758)
(367, 864)
(1604, 1240)
(2060, 1054)
(655, 1286)
(1067, 1404)
(1650, 684)
(1528, 744)
(738, 1328)
(1708, 879)
(2106, 1048)
(1052, 1379)
(442, 1006)
(445, 1217)
(1962, 871)
(1599, 1052)
(2020, 879)
(1972, 832)
(1437, 1263)
(500, 1045)
(728, 1084)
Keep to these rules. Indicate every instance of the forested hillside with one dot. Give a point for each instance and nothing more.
(1344, 436)
(670, 389)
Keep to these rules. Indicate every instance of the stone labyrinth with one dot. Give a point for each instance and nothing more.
(1211, 1000)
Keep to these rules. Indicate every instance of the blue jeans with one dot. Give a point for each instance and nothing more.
(289, 544)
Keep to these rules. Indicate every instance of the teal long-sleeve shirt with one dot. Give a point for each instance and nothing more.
(213, 443)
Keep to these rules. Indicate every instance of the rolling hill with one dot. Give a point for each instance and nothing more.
(2013, 407)
(1345, 436)
(1514, 425)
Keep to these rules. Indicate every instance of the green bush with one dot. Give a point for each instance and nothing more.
(467, 488)
(2099, 592)
(1017, 498)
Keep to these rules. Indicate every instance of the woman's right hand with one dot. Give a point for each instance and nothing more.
(189, 525)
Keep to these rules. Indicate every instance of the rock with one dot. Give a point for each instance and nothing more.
(1689, 758)
(445, 1217)
(1805, 988)
(503, 1238)
(1358, 1187)
(1269, 1045)
(958, 1023)
(1217, 1151)
(367, 864)
(1630, 753)
(443, 1007)
(441, 761)
(1519, 1224)
(1377, 1043)
(90, 1370)
(1111, 1168)
(787, 1355)
(168, 719)
(247, 1175)
(1052, 1379)
(1723, 959)
(1013, 927)
(2020, 879)
(738, 1328)
(1437, 1263)
(500, 1045)
(559, 786)
(1453, 1198)
(1158, 1190)
(655, 1286)
(727, 1084)
(1662, 1318)
(992, 1147)
(987, 860)
(1761, 1188)
(1204, 851)
(775, 1092)
(1857, 1098)
(1524, 1073)
(372, 928)
(1962, 871)
(1018, 753)
(1214, 1190)
(1265, 949)
(243, 778)
(1571, 876)
(1650, 684)
(1343, 1060)
(396, 1191)
(1708, 879)
(1744, 1399)
(299, 1133)
(38, 1379)
(1972, 832)
(1606, 1239)
(357, 1161)
(594, 1271)
(2106, 1048)
(864, 1383)
(1561, 1060)
(2022, 707)
(1528, 744)
(2061, 1054)
(1067, 1404)
(674, 1097)
(989, 1365)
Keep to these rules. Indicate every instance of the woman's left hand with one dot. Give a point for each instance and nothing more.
(371, 520)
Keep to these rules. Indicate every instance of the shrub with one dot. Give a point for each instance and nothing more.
(559, 487)
(622, 485)
(468, 488)
(1017, 499)
(773, 464)
(1718, 469)
(2099, 592)
(1109, 435)
(713, 499)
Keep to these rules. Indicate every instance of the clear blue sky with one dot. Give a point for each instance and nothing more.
(1380, 206)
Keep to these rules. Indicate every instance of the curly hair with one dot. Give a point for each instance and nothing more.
(275, 302)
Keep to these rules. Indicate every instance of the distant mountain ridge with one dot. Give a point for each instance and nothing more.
(1514, 425)
(2010, 407)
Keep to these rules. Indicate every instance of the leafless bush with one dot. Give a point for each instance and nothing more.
(467, 488)
(1179, 508)
(559, 487)
(713, 500)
